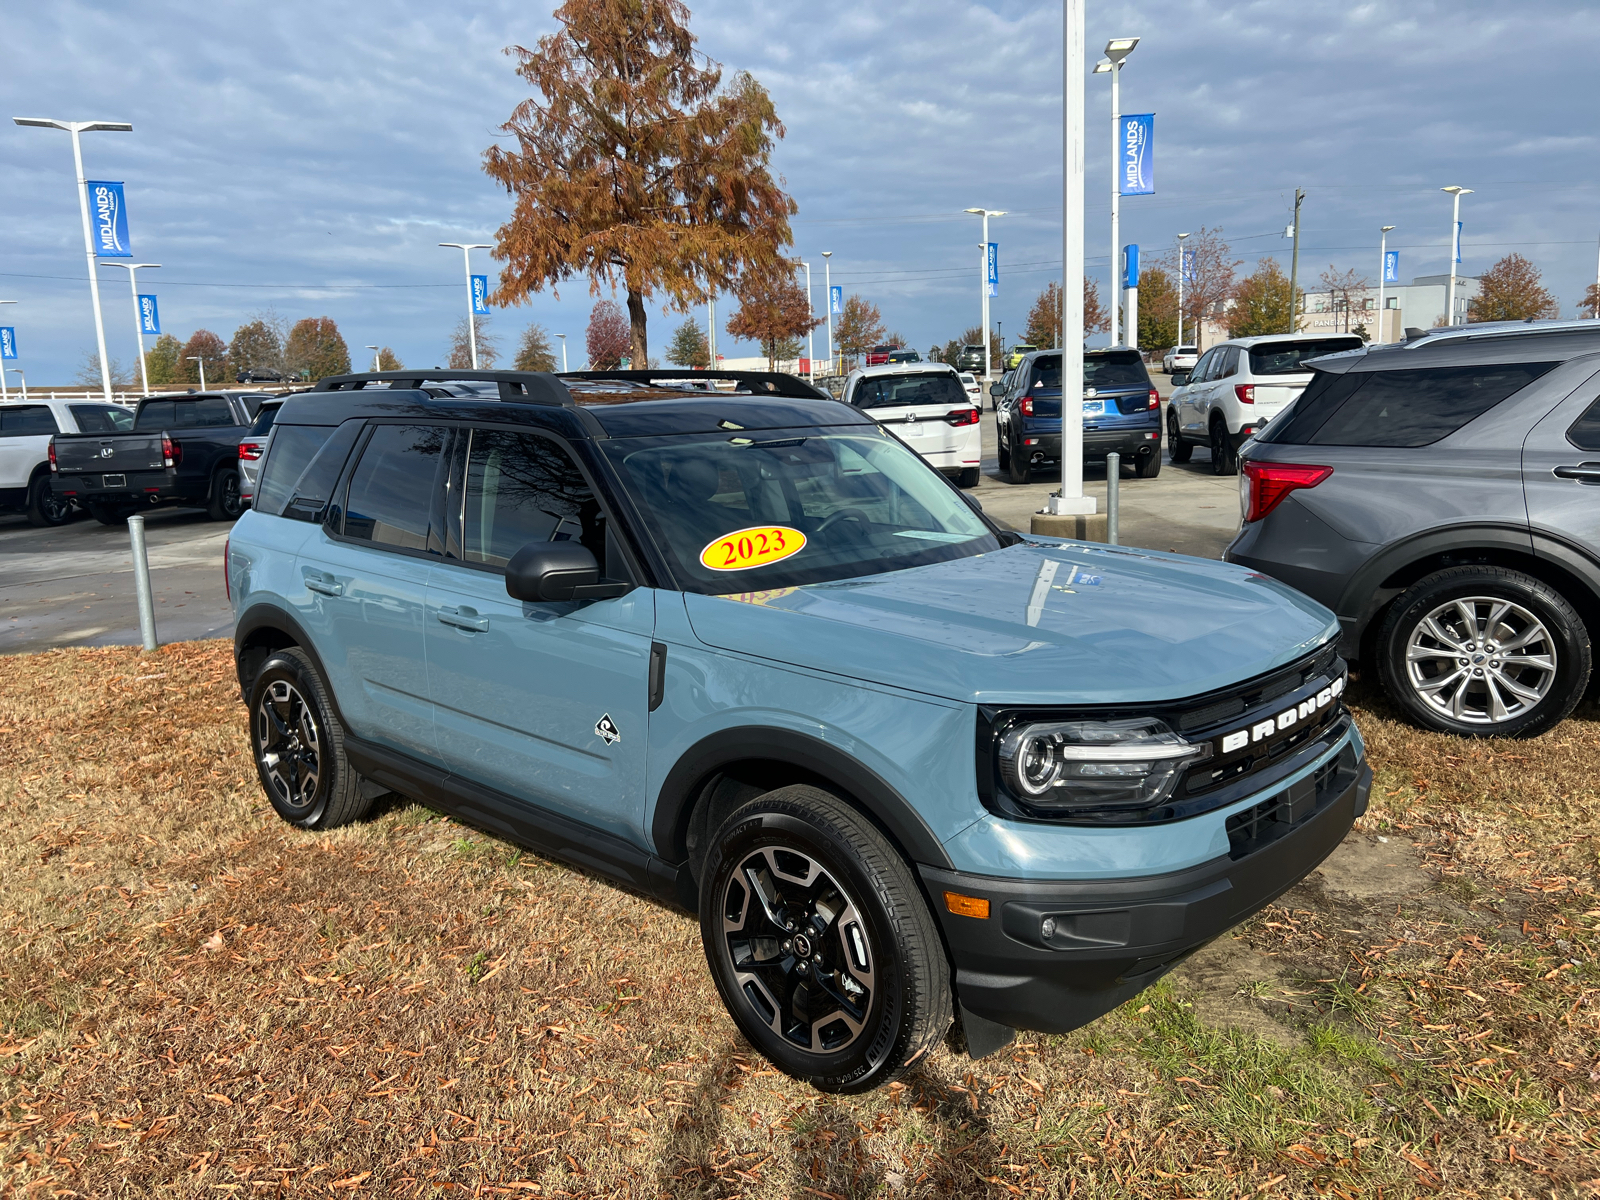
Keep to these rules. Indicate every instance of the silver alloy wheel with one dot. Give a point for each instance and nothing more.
(800, 949)
(288, 744)
(1481, 660)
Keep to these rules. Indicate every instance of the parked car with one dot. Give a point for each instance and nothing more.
(879, 355)
(252, 446)
(1440, 496)
(181, 450)
(903, 356)
(974, 390)
(259, 375)
(1016, 354)
(926, 406)
(1237, 387)
(971, 359)
(26, 428)
(1180, 358)
(750, 655)
(1121, 411)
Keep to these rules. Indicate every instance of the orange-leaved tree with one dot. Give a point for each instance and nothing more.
(606, 338)
(1512, 290)
(635, 166)
(772, 310)
(860, 327)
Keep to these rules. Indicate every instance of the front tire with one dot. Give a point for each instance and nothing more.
(1484, 652)
(820, 943)
(298, 745)
(226, 502)
(1177, 449)
(45, 508)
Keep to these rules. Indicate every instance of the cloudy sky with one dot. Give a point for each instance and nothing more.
(307, 157)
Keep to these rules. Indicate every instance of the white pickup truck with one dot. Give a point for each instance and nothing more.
(26, 428)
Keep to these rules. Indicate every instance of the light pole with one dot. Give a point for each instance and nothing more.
(376, 355)
(983, 283)
(1383, 269)
(827, 286)
(563, 338)
(1179, 346)
(811, 313)
(1117, 49)
(466, 249)
(138, 317)
(711, 331)
(1456, 192)
(3, 396)
(1070, 500)
(75, 128)
(18, 372)
(194, 358)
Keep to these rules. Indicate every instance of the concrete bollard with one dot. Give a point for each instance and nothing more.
(141, 582)
(1113, 478)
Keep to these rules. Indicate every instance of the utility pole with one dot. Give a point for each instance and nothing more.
(827, 306)
(466, 249)
(1383, 270)
(1456, 193)
(1294, 263)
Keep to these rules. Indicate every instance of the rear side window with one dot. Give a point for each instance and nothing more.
(1399, 408)
(892, 391)
(101, 418)
(390, 502)
(1585, 431)
(288, 454)
(264, 419)
(522, 488)
(26, 420)
(211, 412)
(1287, 358)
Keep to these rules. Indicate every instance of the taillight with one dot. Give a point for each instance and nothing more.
(1155, 399)
(250, 451)
(171, 452)
(962, 416)
(1026, 404)
(1263, 485)
(1246, 392)
(52, 452)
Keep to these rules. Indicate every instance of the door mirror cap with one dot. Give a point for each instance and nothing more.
(549, 572)
(997, 389)
(1180, 379)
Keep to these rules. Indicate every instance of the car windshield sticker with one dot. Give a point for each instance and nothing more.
(754, 547)
(606, 728)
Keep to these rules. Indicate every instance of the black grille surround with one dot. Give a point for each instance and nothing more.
(1302, 729)
(1262, 824)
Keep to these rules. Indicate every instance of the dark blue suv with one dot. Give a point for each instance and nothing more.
(1121, 412)
(749, 653)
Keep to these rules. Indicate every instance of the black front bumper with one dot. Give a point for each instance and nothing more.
(1114, 937)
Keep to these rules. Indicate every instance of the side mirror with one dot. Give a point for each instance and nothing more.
(1180, 379)
(997, 390)
(545, 572)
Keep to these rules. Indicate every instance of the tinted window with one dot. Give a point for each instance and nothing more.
(26, 420)
(1585, 431)
(1207, 361)
(264, 419)
(392, 488)
(1120, 369)
(292, 447)
(1400, 408)
(101, 418)
(890, 391)
(155, 415)
(209, 412)
(1285, 358)
(522, 488)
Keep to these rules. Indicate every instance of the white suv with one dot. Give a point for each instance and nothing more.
(1179, 358)
(926, 405)
(1237, 387)
(26, 428)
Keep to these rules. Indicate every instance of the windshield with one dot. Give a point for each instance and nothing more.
(1285, 358)
(1118, 369)
(738, 514)
(897, 391)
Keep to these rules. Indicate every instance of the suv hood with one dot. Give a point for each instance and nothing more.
(1037, 623)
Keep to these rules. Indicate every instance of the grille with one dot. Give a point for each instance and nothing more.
(1262, 824)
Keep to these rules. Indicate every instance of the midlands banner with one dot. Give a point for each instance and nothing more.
(1391, 266)
(836, 300)
(1130, 266)
(1188, 266)
(1136, 174)
(108, 219)
(149, 316)
(8, 342)
(991, 267)
(1458, 242)
(480, 295)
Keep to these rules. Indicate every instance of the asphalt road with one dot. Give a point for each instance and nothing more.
(73, 586)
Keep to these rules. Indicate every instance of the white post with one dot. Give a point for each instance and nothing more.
(201, 360)
(4, 396)
(24, 379)
(711, 332)
(1070, 500)
(1181, 236)
(811, 313)
(563, 338)
(827, 286)
(1116, 193)
(1456, 192)
(1383, 267)
(88, 251)
(472, 319)
(983, 293)
(1132, 315)
(376, 351)
(138, 329)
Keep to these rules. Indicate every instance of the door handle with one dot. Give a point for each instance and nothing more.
(1588, 472)
(326, 585)
(464, 618)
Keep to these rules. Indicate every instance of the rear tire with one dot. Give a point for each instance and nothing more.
(1484, 652)
(1224, 458)
(968, 477)
(820, 943)
(45, 508)
(1019, 468)
(1148, 466)
(1178, 450)
(1005, 459)
(298, 744)
(225, 503)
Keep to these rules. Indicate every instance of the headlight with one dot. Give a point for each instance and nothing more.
(1106, 765)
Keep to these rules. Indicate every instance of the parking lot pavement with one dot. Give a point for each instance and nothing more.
(73, 585)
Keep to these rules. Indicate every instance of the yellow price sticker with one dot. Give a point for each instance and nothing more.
(757, 546)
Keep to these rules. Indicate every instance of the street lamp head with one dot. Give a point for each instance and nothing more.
(468, 245)
(132, 266)
(76, 126)
(1118, 49)
(827, 254)
(1456, 190)
(1181, 236)
(1388, 229)
(1103, 66)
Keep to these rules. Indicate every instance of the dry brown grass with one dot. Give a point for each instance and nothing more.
(198, 1000)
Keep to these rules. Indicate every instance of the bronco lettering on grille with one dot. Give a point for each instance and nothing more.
(1289, 717)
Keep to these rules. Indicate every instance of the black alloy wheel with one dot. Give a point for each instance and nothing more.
(1224, 458)
(45, 508)
(298, 745)
(1178, 450)
(820, 943)
(226, 502)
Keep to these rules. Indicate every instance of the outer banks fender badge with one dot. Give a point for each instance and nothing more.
(606, 728)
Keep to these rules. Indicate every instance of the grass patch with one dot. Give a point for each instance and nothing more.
(197, 999)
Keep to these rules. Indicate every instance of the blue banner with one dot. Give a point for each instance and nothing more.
(1457, 250)
(1188, 266)
(836, 300)
(149, 316)
(1136, 172)
(991, 268)
(480, 294)
(8, 342)
(108, 219)
(1391, 266)
(1130, 266)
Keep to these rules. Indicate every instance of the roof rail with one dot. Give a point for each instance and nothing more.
(524, 387)
(771, 383)
(1484, 329)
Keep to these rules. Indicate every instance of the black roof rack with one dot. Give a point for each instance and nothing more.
(525, 387)
(770, 383)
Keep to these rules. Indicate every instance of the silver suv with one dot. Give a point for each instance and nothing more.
(1442, 495)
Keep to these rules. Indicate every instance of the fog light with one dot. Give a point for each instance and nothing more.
(1047, 928)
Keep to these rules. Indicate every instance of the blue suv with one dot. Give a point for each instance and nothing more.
(1121, 412)
(748, 653)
